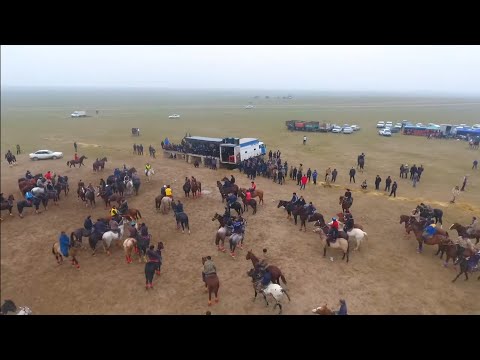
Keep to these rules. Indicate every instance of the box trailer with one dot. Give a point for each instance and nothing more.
(235, 150)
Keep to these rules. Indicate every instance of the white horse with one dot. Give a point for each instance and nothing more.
(149, 173)
(24, 310)
(355, 233)
(129, 187)
(340, 243)
(165, 204)
(38, 190)
(273, 290)
(109, 236)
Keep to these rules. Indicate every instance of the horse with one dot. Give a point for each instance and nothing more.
(149, 173)
(196, 187)
(186, 188)
(220, 219)
(462, 231)
(251, 202)
(468, 266)
(272, 269)
(131, 213)
(99, 164)
(129, 187)
(50, 194)
(89, 195)
(406, 219)
(341, 243)
(78, 235)
(79, 161)
(181, 218)
(275, 290)
(346, 205)
(12, 160)
(234, 240)
(225, 191)
(72, 251)
(300, 210)
(59, 186)
(341, 218)
(165, 204)
(437, 214)
(453, 251)
(287, 205)
(220, 237)
(440, 237)
(136, 184)
(109, 199)
(212, 284)
(7, 205)
(21, 204)
(254, 194)
(237, 207)
(323, 310)
(109, 236)
(129, 245)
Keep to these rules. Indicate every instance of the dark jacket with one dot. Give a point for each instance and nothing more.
(88, 224)
(388, 181)
(352, 172)
(378, 180)
(342, 310)
(394, 186)
(179, 208)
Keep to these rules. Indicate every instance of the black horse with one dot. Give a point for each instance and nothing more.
(181, 218)
(237, 207)
(36, 201)
(8, 306)
(7, 204)
(186, 188)
(467, 266)
(136, 184)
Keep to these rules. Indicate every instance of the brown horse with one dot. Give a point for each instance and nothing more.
(99, 164)
(323, 310)
(225, 191)
(255, 193)
(341, 218)
(275, 271)
(440, 237)
(108, 200)
(196, 187)
(8, 205)
(406, 219)
(462, 231)
(453, 251)
(72, 252)
(212, 283)
(246, 204)
(158, 201)
(79, 161)
(132, 214)
(346, 205)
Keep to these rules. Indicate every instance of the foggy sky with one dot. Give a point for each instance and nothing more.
(450, 69)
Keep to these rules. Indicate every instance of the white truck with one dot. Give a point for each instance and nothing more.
(235, 150)
(78, 114)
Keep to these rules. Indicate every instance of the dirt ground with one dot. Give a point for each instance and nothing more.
(386, 276)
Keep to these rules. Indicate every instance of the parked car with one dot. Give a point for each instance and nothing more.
(355, 127)
(336, 129)
(385, 132)
(347, 130)
(174, 116)
(46, 154)
(381, 124)
(389, 124)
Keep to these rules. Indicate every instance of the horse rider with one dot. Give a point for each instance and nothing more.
(343, 308)
(155, 255)
(294, 198)
(226, 216)
(133, 230)
(349, 222)
(168, 192)
(209, 268)
(226, 184)
(473, 227)
(262, 272)
(143, 230)
(464, 243)
(148, 167)
(102, 184)
(49, 185)
(90, 187)
(87, 226)
(248, 196)
(253, 187)
(99, 227)
(48, 175)
(310, 210)
(231, 199)
(113, 226)
(179, 207)
(124, 167)
(117, 173)
(114, 212)
(162, 190)
(238, 227)
(364, 185)
(40, 183)
(75, 157)
(108, 191)
(123, 209)
(28, 175)
(429, 231)
(333, 231)
(64, 243)
(300, 202)
(232, 179)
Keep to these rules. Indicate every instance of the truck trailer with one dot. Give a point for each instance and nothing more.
(235, 150)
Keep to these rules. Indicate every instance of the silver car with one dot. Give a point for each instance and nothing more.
(46, 154)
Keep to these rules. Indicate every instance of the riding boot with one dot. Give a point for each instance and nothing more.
(328, 242)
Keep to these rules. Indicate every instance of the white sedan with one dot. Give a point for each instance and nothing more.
(174, 116)
(46, 154)
(336, 129)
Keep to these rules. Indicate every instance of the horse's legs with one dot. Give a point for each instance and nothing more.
(460, 273)
(265, 297)
(466, 274)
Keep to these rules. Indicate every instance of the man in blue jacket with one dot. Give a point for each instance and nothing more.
(64, 243)
(343, 308)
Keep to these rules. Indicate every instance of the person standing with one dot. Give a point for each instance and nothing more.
(388, 181)
(464, 183)
(455, 193)
(299, 175)
(415, 179)
(378, 180)
(18, 149)
(309, 175)
(75, 146)
(394, 189)
(327, 173)
(475, 163)
(294, 173)
(314, 177)
(334, 175)
(304, 140)
(420, 171)
(304, 182)
(352, 174)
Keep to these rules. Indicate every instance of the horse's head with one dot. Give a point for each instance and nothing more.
(10, 197)
(215, 217)
(281, 203)
(340, 200)
(8, 306)
(322, 310)
(104, 159)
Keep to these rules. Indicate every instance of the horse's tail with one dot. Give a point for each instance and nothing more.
(139, 216)
(283, 279)
(53, 249)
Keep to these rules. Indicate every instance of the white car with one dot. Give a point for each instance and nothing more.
(355, 127)
(46, 154)
(336, 129)
(385, 132)
(347, 130)
(174, 116)
(381, 124)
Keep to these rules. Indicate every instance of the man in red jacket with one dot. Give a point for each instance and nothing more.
(333, 231)
(304, 182)
(48, 175)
